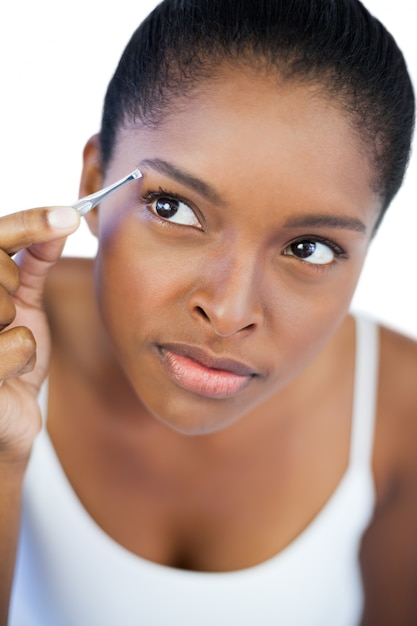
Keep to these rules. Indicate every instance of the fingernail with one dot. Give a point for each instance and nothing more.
(63, 217)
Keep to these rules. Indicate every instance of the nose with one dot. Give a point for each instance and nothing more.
(228, 296)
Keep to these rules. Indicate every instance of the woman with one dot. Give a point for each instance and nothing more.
(224, 443)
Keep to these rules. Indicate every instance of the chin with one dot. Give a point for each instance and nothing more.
(207, 418)
(198, 428)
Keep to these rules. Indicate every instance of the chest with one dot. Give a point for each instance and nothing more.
(317, 576)
(205, 504)
(209, 511)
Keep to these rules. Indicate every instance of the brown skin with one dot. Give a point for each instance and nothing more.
(227, 286)
(22, 367)
(227, 483)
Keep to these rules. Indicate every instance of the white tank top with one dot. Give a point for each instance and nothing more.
(70, 573)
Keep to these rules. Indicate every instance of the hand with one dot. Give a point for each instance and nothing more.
(38, 237)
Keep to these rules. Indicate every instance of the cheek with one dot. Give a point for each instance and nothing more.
(144, 283)
(139, 280)
(305, 316)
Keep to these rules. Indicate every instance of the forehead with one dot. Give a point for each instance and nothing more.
(242, 127)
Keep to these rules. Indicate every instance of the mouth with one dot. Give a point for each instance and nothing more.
(195, 370)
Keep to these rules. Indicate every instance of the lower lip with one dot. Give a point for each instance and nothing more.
(201, 380)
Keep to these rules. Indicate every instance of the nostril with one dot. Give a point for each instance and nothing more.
(202, 312)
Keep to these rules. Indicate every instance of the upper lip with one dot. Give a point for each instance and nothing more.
(208, 360)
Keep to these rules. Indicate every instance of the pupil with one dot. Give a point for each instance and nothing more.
(304, 249)
(166, 207)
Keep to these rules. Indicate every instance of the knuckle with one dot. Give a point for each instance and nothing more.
(17, 352)
(27, 226)
(7, 311)
(25, 219)
(29, 365)
(20, 230)
(24, 342)
(9, 273)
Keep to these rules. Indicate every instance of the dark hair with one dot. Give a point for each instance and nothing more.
(333, 44)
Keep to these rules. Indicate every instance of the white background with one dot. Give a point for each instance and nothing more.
(56, 60)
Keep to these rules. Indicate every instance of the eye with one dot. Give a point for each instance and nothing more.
(313, 251)
(174, 210)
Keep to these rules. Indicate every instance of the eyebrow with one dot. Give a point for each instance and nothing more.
(205, 189)
(326, 221)
(183, 177)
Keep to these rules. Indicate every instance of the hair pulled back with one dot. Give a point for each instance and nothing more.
(336, 45)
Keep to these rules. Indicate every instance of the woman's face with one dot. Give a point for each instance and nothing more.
(227, 267)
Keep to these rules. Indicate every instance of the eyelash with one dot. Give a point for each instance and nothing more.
(338, 251)
(340, 254)
(151, 196)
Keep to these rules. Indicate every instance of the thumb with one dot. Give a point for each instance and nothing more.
(36, 260)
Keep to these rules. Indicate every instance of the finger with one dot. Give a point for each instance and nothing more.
(34, 265)
(9, 272)
(23, 229)
(7, 308)
(17, 352)
(44, 246)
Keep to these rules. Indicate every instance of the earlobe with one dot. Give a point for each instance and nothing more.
(91, 178)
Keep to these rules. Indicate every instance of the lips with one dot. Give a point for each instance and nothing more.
(195, 370)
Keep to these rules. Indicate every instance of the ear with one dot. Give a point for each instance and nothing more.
(91, 178)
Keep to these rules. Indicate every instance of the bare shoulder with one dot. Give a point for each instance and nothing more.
(396, 440)
(69, 281)
(399, 363)
(389, 547)
(68, 277)
(69, 300)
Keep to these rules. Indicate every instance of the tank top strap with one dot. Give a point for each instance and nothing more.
(43, 400)
(365, 391)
